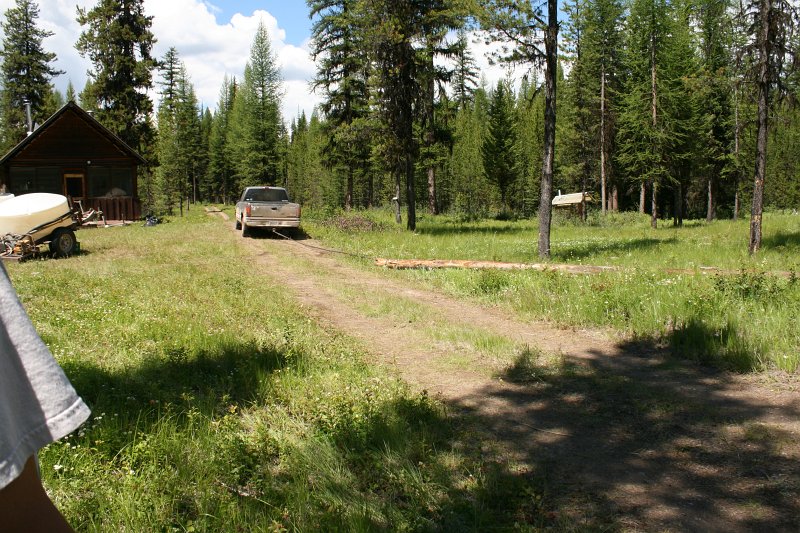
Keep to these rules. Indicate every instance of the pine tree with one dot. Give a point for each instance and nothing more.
(650, 124)
(220, 172)
(473, 190)
(772, 24)
(465, 73)
(342, 56)
(395, 26)
(70, 95)
(26, 72)
(499, 146)
(524, 28)
(118, 42)
(255, 122)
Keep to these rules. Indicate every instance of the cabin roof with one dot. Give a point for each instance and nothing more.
(574, 198)
(72, 108)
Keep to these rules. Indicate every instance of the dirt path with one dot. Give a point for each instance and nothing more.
(616, 435)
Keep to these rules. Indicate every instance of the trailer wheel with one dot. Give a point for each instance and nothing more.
(63, 242)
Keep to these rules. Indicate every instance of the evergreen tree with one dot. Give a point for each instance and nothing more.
(118, 42)
(471, 190)
(523, 28)
(773, 22)
(342, 56)
(70, 95)
(499, 146)
(465, 73)
(179, 136)
(220, 172)
(256, 123)
(26, 72)
(713, 93)
(650, 123)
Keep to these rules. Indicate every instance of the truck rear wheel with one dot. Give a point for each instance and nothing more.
(63, 242)
(245, 230)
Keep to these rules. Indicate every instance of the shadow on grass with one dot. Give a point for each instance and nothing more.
(233, 371)
(402, 466)
(590, 249)
(721, 347)
(633, 441)
(466, 229)
(782, 239)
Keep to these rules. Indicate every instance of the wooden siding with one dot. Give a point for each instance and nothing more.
(73, 142)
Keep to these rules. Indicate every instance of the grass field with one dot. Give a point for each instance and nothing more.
(210, 417)
(743, 322)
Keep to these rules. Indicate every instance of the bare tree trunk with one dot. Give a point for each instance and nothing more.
(348, 199)
(602, 139)
(654, 205)
(710, 207)
(763, 82)
(736, 134)
(429, 139)
(545, 198)
(654, 109)
(642, 197)
(432, 191)
(396, 200)
(411, 207)
(614, 199)
(370, 190)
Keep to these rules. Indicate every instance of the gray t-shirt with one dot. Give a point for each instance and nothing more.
(37, 402)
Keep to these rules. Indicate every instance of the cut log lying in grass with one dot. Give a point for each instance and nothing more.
(407, 264)
(402, 264)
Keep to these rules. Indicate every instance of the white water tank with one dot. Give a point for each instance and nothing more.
(20, 214)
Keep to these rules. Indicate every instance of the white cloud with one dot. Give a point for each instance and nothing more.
(209, 48)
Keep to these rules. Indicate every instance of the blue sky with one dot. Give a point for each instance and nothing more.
(292, 15)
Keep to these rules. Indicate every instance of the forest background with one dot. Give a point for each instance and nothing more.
(657, 107)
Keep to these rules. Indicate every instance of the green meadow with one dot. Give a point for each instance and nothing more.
(209, 415)
(742, 320)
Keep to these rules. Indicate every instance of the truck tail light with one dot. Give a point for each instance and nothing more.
(247, 210)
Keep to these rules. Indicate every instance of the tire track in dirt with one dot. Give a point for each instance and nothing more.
(624, 438)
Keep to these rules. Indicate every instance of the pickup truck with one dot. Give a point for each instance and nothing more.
(266, 207)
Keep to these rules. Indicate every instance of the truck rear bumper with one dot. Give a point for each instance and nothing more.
(272, 222)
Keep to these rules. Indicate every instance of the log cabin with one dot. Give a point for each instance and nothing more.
(74, 155)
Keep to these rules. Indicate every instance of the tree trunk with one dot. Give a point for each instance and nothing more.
(764, 37)
(614, 199)
(370, 190)
(602, 139)
(654, 111)
(430, 138)
(348, 199)
(411, 207)
(710, 206)
(396, 200)
(654, 206)
(736, 134)
(551, 59)
(432, 190)
(642, 197)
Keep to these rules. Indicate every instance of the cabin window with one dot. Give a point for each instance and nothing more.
(24, 180)
(110, 182)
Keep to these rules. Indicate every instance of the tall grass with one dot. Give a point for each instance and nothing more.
(219, 406)
(744, 321)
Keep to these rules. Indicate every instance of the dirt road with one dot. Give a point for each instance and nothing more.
(617, 434)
